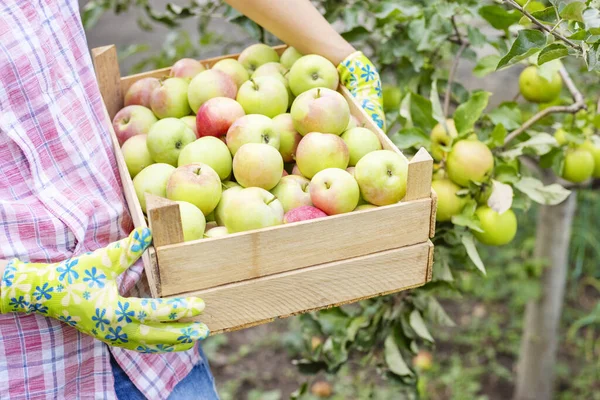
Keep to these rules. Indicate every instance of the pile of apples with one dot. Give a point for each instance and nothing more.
(254, 142)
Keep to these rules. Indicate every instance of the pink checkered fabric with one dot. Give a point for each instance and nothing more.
(60, 195)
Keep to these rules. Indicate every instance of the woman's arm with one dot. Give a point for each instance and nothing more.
(299, 24)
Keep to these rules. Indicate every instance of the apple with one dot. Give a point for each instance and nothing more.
(448, 203)
(209, 84)
(353, 122)
(234, 69)
(440, 137)
(193, 222)
(312, 71)
(136, 154)
(217, 231)
(498, 229)
(292, 192)
(195, 183)
(170, 99)
(302, 213)
(595, 152)
(252, 208)
(152, 179)
(469, 160)
(579, 165)
(318, 151)
(392, 95)
(140, 92)
(561, 136)
(222, 206)
(257, 165)
(272, 72)
(423, 360)
(288, 136)
(289, 57)
(320, 110)
(190, 120)
(187, 68)
(263, 95)
(208, 150)
(360, 141)
(211, 224)
(334, 191)
(256, 55)
(351, 170)
(361, 207)
(381, 176)
(296, 170)
(131, 121)
(252, 128)
(216, 115)
(536, 88)
(167, 138)
(270, 68)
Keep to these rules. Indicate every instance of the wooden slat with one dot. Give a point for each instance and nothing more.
(211, 262)
(433, 213)
(420, 169)
(108, 75)
(165, 221)
(430, 264)
(241, 305)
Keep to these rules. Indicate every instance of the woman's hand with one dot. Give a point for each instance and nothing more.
(82, 292)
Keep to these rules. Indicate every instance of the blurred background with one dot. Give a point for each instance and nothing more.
(470, 342)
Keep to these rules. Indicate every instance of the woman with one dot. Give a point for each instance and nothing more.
(61, 199)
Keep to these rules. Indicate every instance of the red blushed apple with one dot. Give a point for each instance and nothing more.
(140, 92)
(216, 115)
(131, 121)
(190, 120)
(288, 136)
(302, 214)
(187, 68)
(209, 84)
(318, 151)
(334, 191)
(320, 110)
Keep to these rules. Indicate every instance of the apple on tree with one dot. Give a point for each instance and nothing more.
(195, 183)
(169, 100)
(234, 69)
(579, 165)
(498, 229)
(595, 152)
(293, 192)
(382, 177)
(448, 203)
(334, 191)
(263, 95)
(131, 121)
(193, 222)
(207, 85)
(187, 68)
(312, 71)
(536, 88)
(136, 154)
(167, 138)
(257, 165)
(318, 151)
(442, 136)
(252, 128)
(152, 179)
(208, 150)
(320, 110)
(469, 160)
(140, 93)
(252, 208)
(216, 115)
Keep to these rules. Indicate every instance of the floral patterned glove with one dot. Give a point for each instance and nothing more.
(361, 78)
(82, 292)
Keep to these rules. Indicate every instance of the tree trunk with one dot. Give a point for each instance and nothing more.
(535, 369)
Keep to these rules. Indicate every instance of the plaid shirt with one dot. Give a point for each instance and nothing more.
(60, 195)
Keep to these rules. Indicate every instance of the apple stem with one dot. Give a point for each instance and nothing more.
(318, 92)
(272, 200)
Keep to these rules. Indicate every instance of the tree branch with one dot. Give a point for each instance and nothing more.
(463, 46)
(578, 105)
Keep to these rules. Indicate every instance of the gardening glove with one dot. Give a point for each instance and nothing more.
(82, 292)
(361, 78)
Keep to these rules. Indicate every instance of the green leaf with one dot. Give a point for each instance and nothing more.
(552, 52)
(501, 198)
(497, 137)
(499, 17)
(591, 18)
(356, 34)
(573, 11)
(417, 323)
(467, 217)
(468, 113)
(528, 42)
(91, 14)
(410, 137)
(436, 107)
(548, 195)
(333, 320)
(593, 58)
(393, 358)
(476, 38)
(421, 112)
(436, 312)
(554, 159)
(468, 241)
(539, 144)
(486, 65)
(547, 15)
(508, 114)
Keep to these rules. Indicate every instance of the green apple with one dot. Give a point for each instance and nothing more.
(190, 120)
(353, 122)
(382, 176)
(312, 71)
(448, 203)
(225, 196)
(469, 160)
(442, 137)
(392, 95)
(257, 165)
(195, 183)
(131, 121)
(252, 208)
(334, 191)
(318, 151)
(217, 231)
(170, 99)
(140, 92)
(498, 229)
(136, 154)
(234, 69)
(360, 141)
(361, 207)
(152, 179)
(579, 165)
(216, 115)
(288, 136)
(263, 95)
(560, 136)
(193, 222)
(209, 84)
(167, 138)
(289, 57)
(208, 150)
(256, 55)
(595, 152)
(187, 68)
(252, 128)
(320, 110)
(270, 68)
(273, 73)
(292, 191)
(536, 88)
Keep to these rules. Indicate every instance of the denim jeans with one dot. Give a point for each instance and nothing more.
(199, 384)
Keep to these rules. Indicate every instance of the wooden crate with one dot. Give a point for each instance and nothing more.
(253, 277)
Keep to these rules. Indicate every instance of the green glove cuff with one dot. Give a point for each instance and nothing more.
(359, 75)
